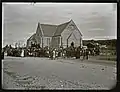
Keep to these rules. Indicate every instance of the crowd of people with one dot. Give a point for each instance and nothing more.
(36, 51)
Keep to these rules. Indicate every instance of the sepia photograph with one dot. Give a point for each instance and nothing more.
(59, 46)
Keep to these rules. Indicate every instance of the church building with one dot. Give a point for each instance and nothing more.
(56, 36)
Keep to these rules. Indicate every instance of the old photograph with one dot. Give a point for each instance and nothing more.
(59, 46)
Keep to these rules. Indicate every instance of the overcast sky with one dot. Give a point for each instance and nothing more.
(95, 21)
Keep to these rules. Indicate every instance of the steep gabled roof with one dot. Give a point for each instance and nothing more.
(76, 27)
(32, 37)
(48, 30)
(60, 28)
(53, 30)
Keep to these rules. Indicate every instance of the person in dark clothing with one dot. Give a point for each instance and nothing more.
(51, 54)
(77, 53)
(87, 53)
(84, 53)
(25, 53)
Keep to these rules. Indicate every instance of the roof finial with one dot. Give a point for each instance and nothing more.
(38, 23)
(71, 20)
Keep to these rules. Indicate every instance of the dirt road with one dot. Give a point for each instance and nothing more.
(43, 73)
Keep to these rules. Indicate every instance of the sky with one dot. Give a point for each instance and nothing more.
(94, 20)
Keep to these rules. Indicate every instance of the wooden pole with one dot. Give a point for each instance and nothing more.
(67, 43)
(80, 42)
(49, 42)
(42, 42)
(61, 42)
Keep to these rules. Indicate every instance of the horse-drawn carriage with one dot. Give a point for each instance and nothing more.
(36, 51)
(14, 52)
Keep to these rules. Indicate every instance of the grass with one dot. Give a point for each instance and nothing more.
(108, 57)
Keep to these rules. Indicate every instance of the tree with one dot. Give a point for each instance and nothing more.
(90, 45)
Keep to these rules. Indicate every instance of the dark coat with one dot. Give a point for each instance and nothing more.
(77, 53)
